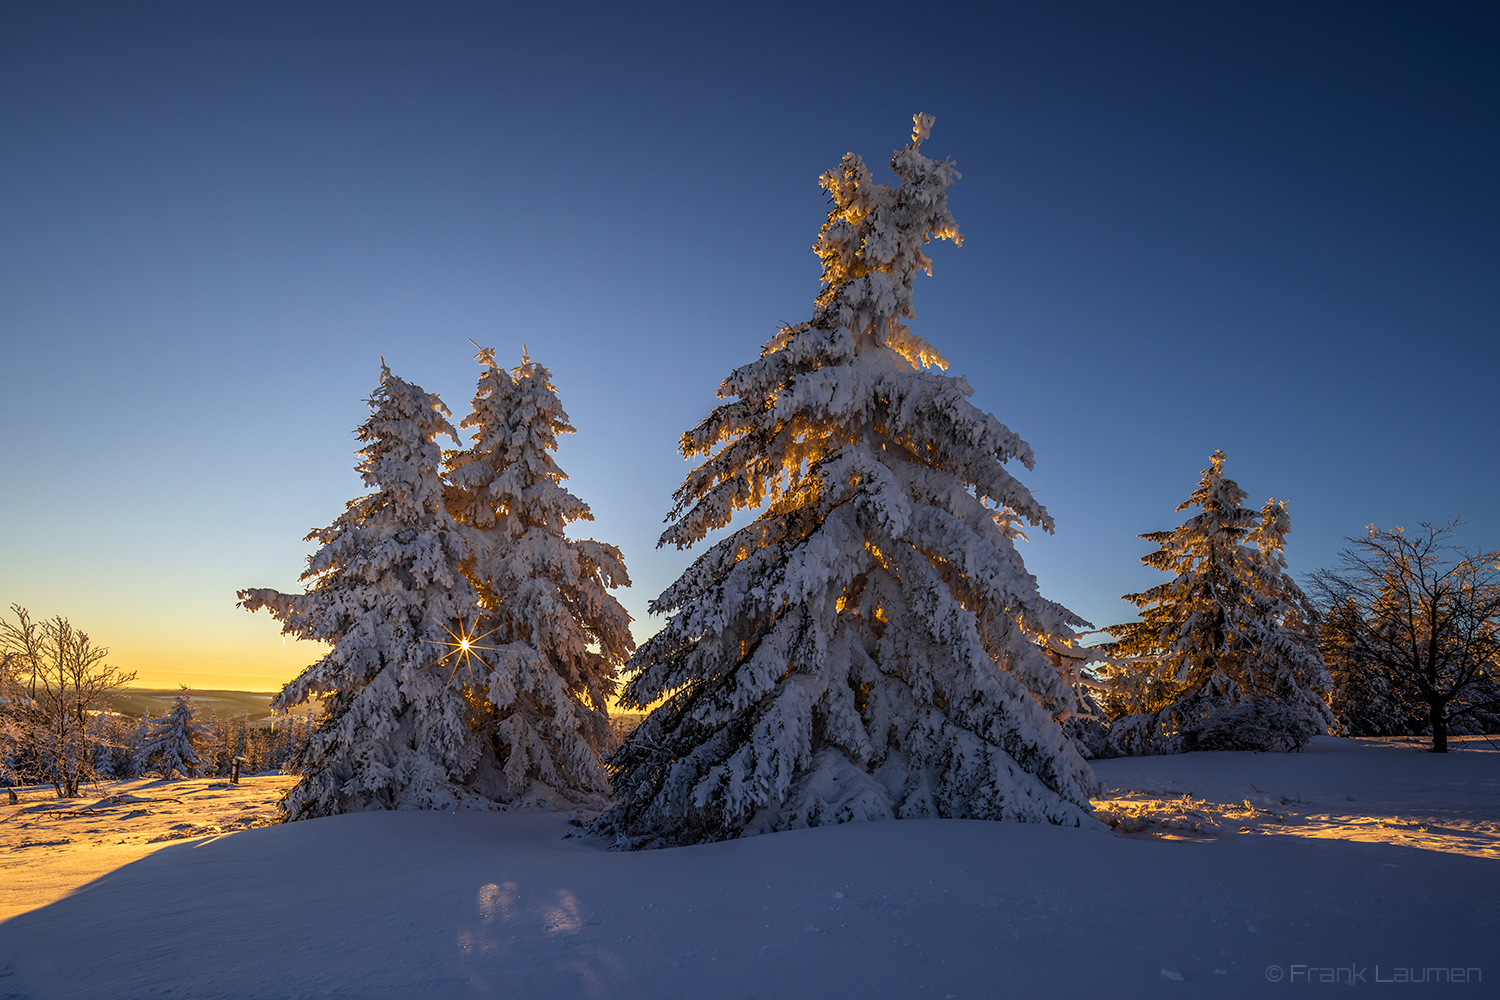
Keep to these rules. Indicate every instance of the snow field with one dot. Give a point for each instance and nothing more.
(50, 846)
(430, 904)
(1381, 791)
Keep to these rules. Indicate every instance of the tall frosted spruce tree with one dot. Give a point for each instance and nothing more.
(867, 647)
(551, 635)
(386, 591)
(1223, 657)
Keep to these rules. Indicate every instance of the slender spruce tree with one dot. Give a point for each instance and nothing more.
(550, 636)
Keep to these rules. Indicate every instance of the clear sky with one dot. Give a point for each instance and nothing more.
(1267, 229)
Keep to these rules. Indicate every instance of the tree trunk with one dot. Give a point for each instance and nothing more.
(1439, 715)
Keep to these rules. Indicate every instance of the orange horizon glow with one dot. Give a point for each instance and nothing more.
(263, 666)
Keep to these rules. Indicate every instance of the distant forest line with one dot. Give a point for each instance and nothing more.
(136, 702)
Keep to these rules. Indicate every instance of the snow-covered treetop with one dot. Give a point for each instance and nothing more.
(1222, 522)
(508, 476)
(183, 710)
(855, 371)
(401, 451)
(472, 469)
(402, 459)
(871, 245)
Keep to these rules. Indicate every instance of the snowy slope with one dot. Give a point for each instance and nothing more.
(498, 905)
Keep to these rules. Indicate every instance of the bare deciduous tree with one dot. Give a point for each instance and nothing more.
(1425, 614)
(56, 679)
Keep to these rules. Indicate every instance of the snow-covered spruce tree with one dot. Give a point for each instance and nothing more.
(868, 647)
(1223, 657)
(386, 592)
(174, 742)
(553, 635)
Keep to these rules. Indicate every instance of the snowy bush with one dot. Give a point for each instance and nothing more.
(116, 740)
(871, 645)
(1264, 726)
(136, 763)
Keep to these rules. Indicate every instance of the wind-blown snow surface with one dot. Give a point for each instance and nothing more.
(498, 905)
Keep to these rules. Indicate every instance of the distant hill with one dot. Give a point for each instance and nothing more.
(137, 701)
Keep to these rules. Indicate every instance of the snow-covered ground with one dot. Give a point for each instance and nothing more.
(1379, 791)
(50, 846)
(499, 905)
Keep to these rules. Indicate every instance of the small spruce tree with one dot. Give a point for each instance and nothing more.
(386, 592)
(871, 645)
(553, 635)
(174, 742)
(1223, 657)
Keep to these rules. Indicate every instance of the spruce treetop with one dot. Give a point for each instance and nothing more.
(844, 377)
(400, 452)
(508, 476)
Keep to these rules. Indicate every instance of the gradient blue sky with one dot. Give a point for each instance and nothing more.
(1267, 229)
